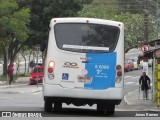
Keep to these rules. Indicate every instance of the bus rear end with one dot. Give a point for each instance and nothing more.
(84, 64)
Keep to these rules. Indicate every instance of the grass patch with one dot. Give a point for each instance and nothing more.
(3, 78)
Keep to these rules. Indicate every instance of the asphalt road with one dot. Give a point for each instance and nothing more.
(30, 98)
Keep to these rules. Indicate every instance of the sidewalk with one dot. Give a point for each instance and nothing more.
(134, 99)
(19, 82)
(18, 86)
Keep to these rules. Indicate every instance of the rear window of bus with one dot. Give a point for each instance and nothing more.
(84, 37)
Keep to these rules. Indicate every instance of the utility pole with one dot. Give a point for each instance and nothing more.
(37, 78)
(146, 21)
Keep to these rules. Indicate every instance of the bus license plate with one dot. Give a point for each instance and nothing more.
(84, 79)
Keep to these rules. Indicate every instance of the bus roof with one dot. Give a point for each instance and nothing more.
(84, 20)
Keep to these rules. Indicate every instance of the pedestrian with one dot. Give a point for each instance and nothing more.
(144, 83)
(32, 64)
(10, 73)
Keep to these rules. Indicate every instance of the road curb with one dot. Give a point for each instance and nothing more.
(3, 82)
(32, 91)
(10, 86)
(126, 101)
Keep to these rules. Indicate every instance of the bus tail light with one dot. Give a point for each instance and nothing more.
(118, 67)
(51, 66)
(119, 73)
(87, 21)
(50, 70)
(119, 24)
(118, 79)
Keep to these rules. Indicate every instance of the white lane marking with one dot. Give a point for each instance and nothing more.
(134, 77)
(131, 77)
(129, 83)
(127, 76)
(37, 93)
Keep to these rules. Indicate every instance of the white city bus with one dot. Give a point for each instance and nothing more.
(84, 64)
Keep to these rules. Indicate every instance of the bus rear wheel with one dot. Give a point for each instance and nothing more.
(48, 105)
(100, 108)
(107, 109)
(110, 109)
(57, 106)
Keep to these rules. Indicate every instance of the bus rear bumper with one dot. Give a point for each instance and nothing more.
(56, 91)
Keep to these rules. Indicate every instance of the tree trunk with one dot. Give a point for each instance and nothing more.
(25, 66)
(5, 66)
(29, 59)
(24, 62)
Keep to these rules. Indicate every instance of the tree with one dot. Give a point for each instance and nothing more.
(99, 9)
(133, 21)
(24, 53)
(138, 6)
(13, 29)
(42, 11)
(131, 6)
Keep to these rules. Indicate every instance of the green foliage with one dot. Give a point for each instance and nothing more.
(42, 11)
(138, 6)
(99, 9)
(131, 6)
(93, 12)
(134, 23)
(134, 29)
(13, 21)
